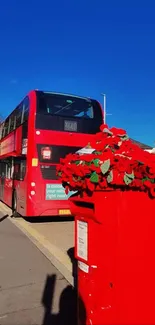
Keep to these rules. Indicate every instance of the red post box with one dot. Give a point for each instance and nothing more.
(115, 248)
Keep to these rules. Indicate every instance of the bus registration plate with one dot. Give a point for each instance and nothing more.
(70, 126)
(64, 212)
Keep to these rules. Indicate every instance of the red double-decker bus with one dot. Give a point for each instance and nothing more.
(42, 128)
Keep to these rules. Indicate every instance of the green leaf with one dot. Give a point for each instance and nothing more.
(77, 162)
(94, 177)
(131, 176)
(107, 131)
(140, 162)
(105, 166)
(96, 162)
(97, 152)
(127, 180)
(152, 180)
(121, 135)
(110, 177)
(124, 137)
(145, 179)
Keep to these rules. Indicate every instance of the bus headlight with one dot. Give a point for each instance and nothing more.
(33, 192)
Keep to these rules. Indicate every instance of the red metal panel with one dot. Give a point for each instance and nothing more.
(8, 186)
(18, 140)
(117, 281)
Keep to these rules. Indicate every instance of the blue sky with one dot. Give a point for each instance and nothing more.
(82, 47)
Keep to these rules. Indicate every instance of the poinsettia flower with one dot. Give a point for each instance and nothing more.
(117, 178)
(116, 131)
(152, 191)
(90, 185)
(116, 162)
(103, 126)
(98, 136)
(103, 183)
(147, 183)
(152, 170)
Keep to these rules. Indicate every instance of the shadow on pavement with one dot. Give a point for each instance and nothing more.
(70, 253)
(68, 302)
(67, 305)
(4, 217)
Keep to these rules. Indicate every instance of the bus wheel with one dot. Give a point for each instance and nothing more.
(14, 206)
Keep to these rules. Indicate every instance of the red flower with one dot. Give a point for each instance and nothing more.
(103, 126)
(116, 131)
(137, 183)
(147, 184)
(67, 190)
(149, 173)
(117, 178)
(152, 170)
(90, 185)
(115, 158)
(95, 169)
(98, 136)
(122, 165)
(152, 190)
(103, 183)
(98, 145)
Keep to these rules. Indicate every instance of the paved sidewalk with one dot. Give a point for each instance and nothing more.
(32, 291)
(53, 236)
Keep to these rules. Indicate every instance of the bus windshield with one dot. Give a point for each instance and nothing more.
(63, 105)
(53, 109)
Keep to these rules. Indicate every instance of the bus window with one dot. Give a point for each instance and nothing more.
(20, 170)
(2, 169)
(6, 127)
(18, 115)
(8, 170)
(1, 130)
(25, 109)
(12, 122)
(67, 113)
(67, 106)
(16, 174)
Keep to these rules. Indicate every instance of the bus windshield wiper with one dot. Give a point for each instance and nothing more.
(67, 106)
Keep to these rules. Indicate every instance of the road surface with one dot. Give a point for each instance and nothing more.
(32, 290)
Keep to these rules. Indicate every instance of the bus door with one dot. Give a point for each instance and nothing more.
(20, 185)
(8, 185)
(2, 178)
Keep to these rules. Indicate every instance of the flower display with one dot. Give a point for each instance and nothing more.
(114, 162)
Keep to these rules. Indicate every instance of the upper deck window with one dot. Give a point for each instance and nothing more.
(65, 105)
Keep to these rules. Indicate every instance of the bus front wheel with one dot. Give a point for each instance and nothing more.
(14, 206)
